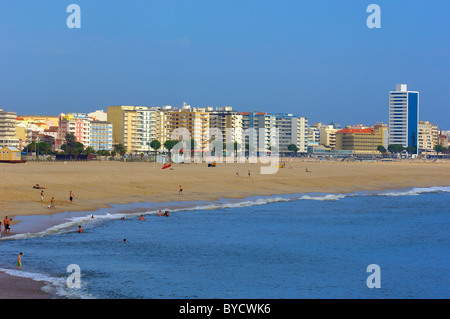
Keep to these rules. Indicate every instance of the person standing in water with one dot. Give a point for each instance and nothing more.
(6, 224)
(19, 261)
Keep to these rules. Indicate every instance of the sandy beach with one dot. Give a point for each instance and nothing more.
(99, 184)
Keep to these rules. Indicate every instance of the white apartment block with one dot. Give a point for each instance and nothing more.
(8, 129)
(292, 129)
(139, 128)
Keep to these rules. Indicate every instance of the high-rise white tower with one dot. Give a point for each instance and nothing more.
(403, 116)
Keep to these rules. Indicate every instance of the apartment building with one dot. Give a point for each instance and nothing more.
(263, 125)
(427, 138)
(292, 129)
(8, 129)
(327, 135)
(229, 123)
(195, 120)
(100, 135)
(76, 123)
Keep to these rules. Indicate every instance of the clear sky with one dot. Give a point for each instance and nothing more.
(314, 58)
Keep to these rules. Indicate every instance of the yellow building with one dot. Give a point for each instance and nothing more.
(361, 140)
(327, 135)
(10, 155)
(427, 137)
(196, 121)
(115, 117)
(136, 126)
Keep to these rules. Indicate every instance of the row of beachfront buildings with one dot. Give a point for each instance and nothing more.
(135, 127)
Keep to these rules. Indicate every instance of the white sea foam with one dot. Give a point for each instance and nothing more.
(325, 197)
(65, 227)
(416, 191)
(73, 222)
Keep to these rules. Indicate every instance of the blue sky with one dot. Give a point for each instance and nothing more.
(314, 58)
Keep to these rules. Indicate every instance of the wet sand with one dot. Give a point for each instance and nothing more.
(21, 288)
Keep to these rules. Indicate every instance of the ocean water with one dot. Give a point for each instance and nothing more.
(293, 246)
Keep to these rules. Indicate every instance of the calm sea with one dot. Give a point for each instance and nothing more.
(293, 246)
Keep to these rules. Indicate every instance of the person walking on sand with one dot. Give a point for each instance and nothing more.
(42, 196)
(248, 173)
(180, 192)
(71, 196)
(52, 203)
(19, 261)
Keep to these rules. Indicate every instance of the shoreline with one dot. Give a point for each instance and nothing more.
(105, 186)
(28, 288)
(28, 225)
(161, 186)
(21, 288)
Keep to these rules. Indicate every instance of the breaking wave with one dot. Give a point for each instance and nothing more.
(71, 223)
